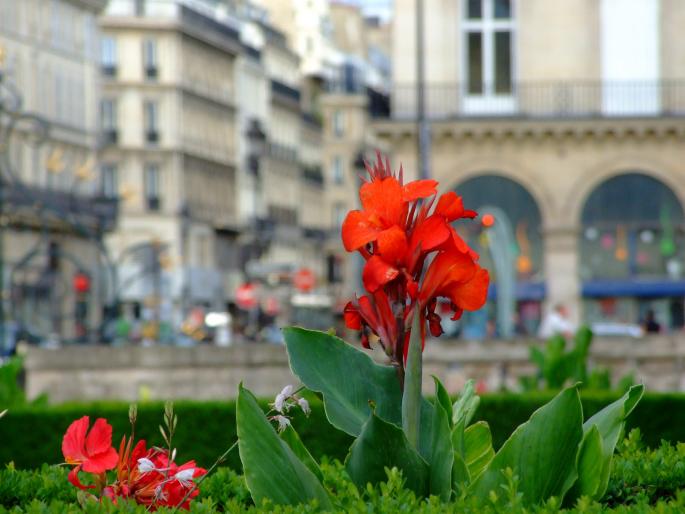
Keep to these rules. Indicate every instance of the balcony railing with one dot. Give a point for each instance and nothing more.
(35, 203)
(542, 100)
(284, 90)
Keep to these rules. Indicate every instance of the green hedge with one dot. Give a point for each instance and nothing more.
(643, 482)
(31, 437)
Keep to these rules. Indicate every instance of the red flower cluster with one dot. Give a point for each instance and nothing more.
(148, 476)
(398, 228)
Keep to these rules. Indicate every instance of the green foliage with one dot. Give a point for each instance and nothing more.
(643, 482)
(272, 469)
(32, 436)
(558, 367)
(541, 452)
(411, 394)
(11, 393)
(382, 444)
(347, 378)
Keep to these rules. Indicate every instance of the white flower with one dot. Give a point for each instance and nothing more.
(145, 465)
(304, 405)
(279, 403)
(287, 391)
(283, 422)
(185, 476)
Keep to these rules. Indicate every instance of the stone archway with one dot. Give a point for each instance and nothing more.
(631, 249)
(522, 243)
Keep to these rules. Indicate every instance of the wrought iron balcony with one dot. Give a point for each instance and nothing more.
(283, 90)
(542, 100)
(35, 205)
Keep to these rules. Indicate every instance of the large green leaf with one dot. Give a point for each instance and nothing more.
(478, 451)
(271, 469)
(460, 473)
(442, 457)
(413, 379)
(290, 436)
(467, 403)
(590, 463)
(347, 377)
(541, 452)
(610, 423)
(384, 445)
(443, 397)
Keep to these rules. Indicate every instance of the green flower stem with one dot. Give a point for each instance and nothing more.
(411, 396)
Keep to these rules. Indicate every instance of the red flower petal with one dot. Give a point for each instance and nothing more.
(384, 198)
(470, 295)
(357, 230)
(446, 270)
(377, 273)
(99, 438)
(392, 244)
(419, 189)
(74, 441)
(430, 234)
(73, 478)
(450, 205)
(353, 319)
(101, 461)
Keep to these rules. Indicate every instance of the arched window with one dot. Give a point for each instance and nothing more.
(632, 250)
(523, 215)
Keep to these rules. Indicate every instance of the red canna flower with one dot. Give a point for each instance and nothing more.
(399, 228)
(151, 478)
(89, 451)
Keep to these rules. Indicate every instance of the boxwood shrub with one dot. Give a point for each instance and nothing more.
(644, 481)
(32, 436)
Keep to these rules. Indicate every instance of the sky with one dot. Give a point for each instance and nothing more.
(374, 7)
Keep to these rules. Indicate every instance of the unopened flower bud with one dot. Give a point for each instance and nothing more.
(279, 403)
(185, 476)
(283, 423)
(145, 465)
(287, 391)
(304, 405)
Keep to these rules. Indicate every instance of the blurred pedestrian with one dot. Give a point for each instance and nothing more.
(651, 325)
(556, 322)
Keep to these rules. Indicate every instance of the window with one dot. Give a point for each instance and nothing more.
(150, 58)
(108, 120)
(338, 123)
(150, 114)
(108, 56)
(151, 186)
(109, 185)
(338, 170)
(488, 40)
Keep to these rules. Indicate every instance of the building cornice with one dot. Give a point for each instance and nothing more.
(95, 6)
(503, 129)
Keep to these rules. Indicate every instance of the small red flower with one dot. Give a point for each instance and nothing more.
(89, 451)
(399, 228)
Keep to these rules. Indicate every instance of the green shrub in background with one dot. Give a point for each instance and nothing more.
(11, 393)
(33, 436)
(643, 482)
(558, 367)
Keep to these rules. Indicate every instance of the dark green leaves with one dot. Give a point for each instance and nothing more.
(541, 452)
(347, 378)
(384, 445)
(272, 470)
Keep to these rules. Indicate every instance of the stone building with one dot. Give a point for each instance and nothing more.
(52, 265)
(168, 120)
(567, 115)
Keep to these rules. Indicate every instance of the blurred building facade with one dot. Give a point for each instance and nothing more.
(569, 116)
(168, 124)
(54, 280)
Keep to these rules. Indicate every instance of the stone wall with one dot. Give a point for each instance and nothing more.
(208, 372)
